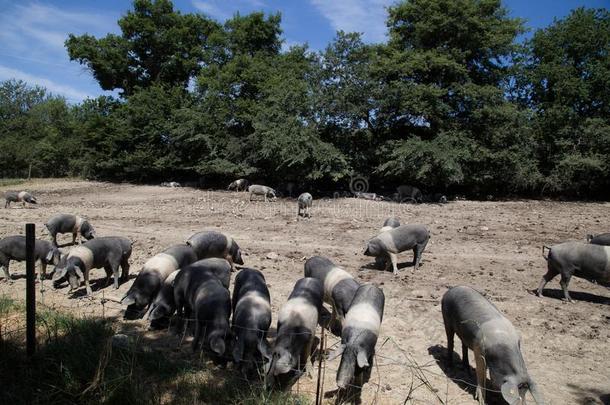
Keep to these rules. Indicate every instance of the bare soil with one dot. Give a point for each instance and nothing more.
(494, 247)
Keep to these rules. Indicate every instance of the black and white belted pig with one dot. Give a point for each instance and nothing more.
(19, 196)
(13, 248)
(494, 340)
(163, 305)
(397, 240)
(296, 331)
(216, 244)
(200, 295)
(582, 260)
(108, 252)
(359, 337)
(251, 320)
(389, 224)
(339, 287)
(600, 239)
(238, 185)
(68, 223)
(153, 274)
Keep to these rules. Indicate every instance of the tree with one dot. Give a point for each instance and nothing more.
(157, 45)
(569, 72)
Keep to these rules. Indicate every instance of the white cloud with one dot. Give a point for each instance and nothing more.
(365, 16)
(69, 92)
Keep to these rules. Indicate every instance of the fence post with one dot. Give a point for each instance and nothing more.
(30, 290)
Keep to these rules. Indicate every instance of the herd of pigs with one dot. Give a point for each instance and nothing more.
(190, 282)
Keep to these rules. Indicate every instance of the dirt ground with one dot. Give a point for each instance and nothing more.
(494, 247)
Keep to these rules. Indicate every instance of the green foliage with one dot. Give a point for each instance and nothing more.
(450, 103)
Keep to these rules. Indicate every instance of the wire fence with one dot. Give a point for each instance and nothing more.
(389, 356)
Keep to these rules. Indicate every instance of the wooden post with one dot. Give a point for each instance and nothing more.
(30, 290)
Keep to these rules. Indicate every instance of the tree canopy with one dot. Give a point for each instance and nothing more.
(454, 102)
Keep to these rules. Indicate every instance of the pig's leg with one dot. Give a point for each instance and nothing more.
(550, 274)
(481, 375)
(74, 238)
(197, 337)
(43, 274)
(565, 280)
(87, 285)
(465, 363)
(116, 274)
(54, 239)
(417, 253)
(450, 337)
(394, 260)
(125, 269)
(6, 204)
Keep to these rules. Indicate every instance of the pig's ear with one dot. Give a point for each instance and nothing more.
(336, 353)
(538, 398)
(265, 349)
(510, 393)
(79, 272)
(362, 359)
(59, 273)
(218, 346)
(128, 300)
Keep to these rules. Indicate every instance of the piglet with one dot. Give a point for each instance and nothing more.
(359, 337)
(296, 331)
(397, 240)
(13, 248)
(251, 320)
(582, 260)
(19, 196)
(215, 244)
(339, 287)
(494, 340)
(108, 252)
(68, 223)
(154, 272)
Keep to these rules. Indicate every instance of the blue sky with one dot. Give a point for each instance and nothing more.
(32, 32)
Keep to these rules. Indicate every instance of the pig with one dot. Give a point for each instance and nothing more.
(238, 185)
(359, 337)
(394, 241)
(19, 196)
(13, 248)
(108, 252)
(257, 189)
(155, 271)
(68, 223)
(304, 204)
(409, 194)
(583, 260)
(163, 305)
(251, 320)
(339, 287)
(389, 223)
(296, 330)
(201, 284)
(494, 340)
(601, 239)
(211, 306)
(215, 244)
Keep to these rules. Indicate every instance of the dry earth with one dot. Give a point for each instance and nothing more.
(491, 246)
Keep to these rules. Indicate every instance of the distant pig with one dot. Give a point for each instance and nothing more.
(257, 189)
(19, 196)
(601, 239)
(68, 223)
(397, 240)
(494, 340)
(251, 320)
(339, 287)
(359, 337)
(153, 273)
(238, 185)
(108, 252)
(13, 248)
(163, 305)
(583, 260)
(215, 244)
(409, 194)
(304, 204)
(296, 331)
